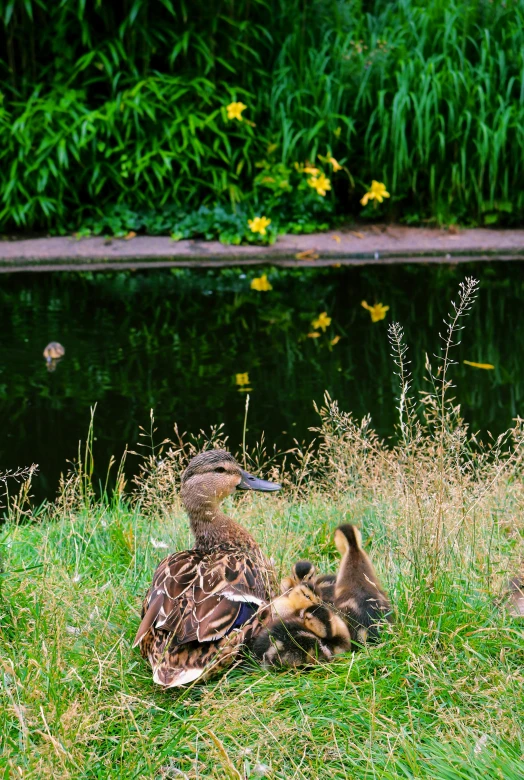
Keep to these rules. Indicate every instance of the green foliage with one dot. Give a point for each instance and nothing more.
(107, 104)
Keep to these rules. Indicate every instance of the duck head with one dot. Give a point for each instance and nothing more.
(213, 475)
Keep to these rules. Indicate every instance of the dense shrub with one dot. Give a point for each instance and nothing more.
(124, 104)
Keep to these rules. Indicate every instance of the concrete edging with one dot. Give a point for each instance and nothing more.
(367, 245)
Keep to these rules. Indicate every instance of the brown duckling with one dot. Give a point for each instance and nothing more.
(203, 603)
(302, 631)
(358, 593)
(321, 584)
(515, 597)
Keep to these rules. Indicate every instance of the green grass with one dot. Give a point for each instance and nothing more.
(77, 701)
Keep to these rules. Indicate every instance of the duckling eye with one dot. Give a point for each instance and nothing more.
(220, 469)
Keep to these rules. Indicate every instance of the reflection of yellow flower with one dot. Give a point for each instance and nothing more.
(314, 335)
(322, 321)
(259, 225)
(242, 380)
(261, 284)
(335, 340)
(377, 192)
(320, 183)
(487, 366)
(336, 165)
(378, 311)
(234, 111)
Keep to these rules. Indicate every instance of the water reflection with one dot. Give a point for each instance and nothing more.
(188, 342)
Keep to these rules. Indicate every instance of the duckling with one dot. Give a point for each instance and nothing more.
(358, 593)
(302, 631)
(294, 602)
(53, 353)
(203, 603)
(321, 584)
(515, 597)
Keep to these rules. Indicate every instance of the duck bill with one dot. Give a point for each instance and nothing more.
(248, 482)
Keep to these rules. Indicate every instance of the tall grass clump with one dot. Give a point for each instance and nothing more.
(113, 116)
(439, 698)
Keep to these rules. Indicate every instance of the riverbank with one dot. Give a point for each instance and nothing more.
(439, 699)
(377, 244)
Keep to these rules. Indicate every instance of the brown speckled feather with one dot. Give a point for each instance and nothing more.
(195, 598)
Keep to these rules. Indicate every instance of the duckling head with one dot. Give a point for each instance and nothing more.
(213, 475)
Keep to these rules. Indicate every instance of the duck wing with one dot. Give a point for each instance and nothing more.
(198, 596)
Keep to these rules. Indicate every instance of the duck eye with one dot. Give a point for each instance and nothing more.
(220, 469)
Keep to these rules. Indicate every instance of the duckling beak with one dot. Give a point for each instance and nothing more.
(248, 482)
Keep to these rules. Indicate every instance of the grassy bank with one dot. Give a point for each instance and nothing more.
(440, 698)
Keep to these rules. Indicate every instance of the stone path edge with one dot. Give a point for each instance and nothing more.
(370, 245)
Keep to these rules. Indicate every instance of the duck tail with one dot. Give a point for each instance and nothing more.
(169, 677)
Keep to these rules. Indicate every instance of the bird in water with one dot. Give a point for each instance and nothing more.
(53, 353)
(204, 603)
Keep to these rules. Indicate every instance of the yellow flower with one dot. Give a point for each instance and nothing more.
(322, 321)
(320, 183)
(377, 192)
(261, 284)
(259, 225)
(378, 311)
(487, 366)
(336, 165)
(314, 335)
(335, 340)
(234, 111)
(242, 379)
(311, 170)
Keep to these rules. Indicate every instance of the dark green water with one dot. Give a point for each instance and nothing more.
(174, 341)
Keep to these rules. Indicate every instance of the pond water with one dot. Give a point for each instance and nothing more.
(175, 341)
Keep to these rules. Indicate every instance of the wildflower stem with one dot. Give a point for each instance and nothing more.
(244, 432)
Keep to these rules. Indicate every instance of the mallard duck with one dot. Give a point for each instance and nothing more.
(303, 631)
(304, 572)
(203, 603)
(358, 593)
(53, 353)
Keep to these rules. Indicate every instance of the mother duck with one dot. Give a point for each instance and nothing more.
(202, 603)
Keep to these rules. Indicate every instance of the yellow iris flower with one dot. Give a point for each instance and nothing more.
(322, 321)
(378, 311)
(320, 183)
(487, 366)
(335, 340)
(261, 283)
(259, 225)
(311, 170)
(336, 165)
(377, 192)
(234, 110)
